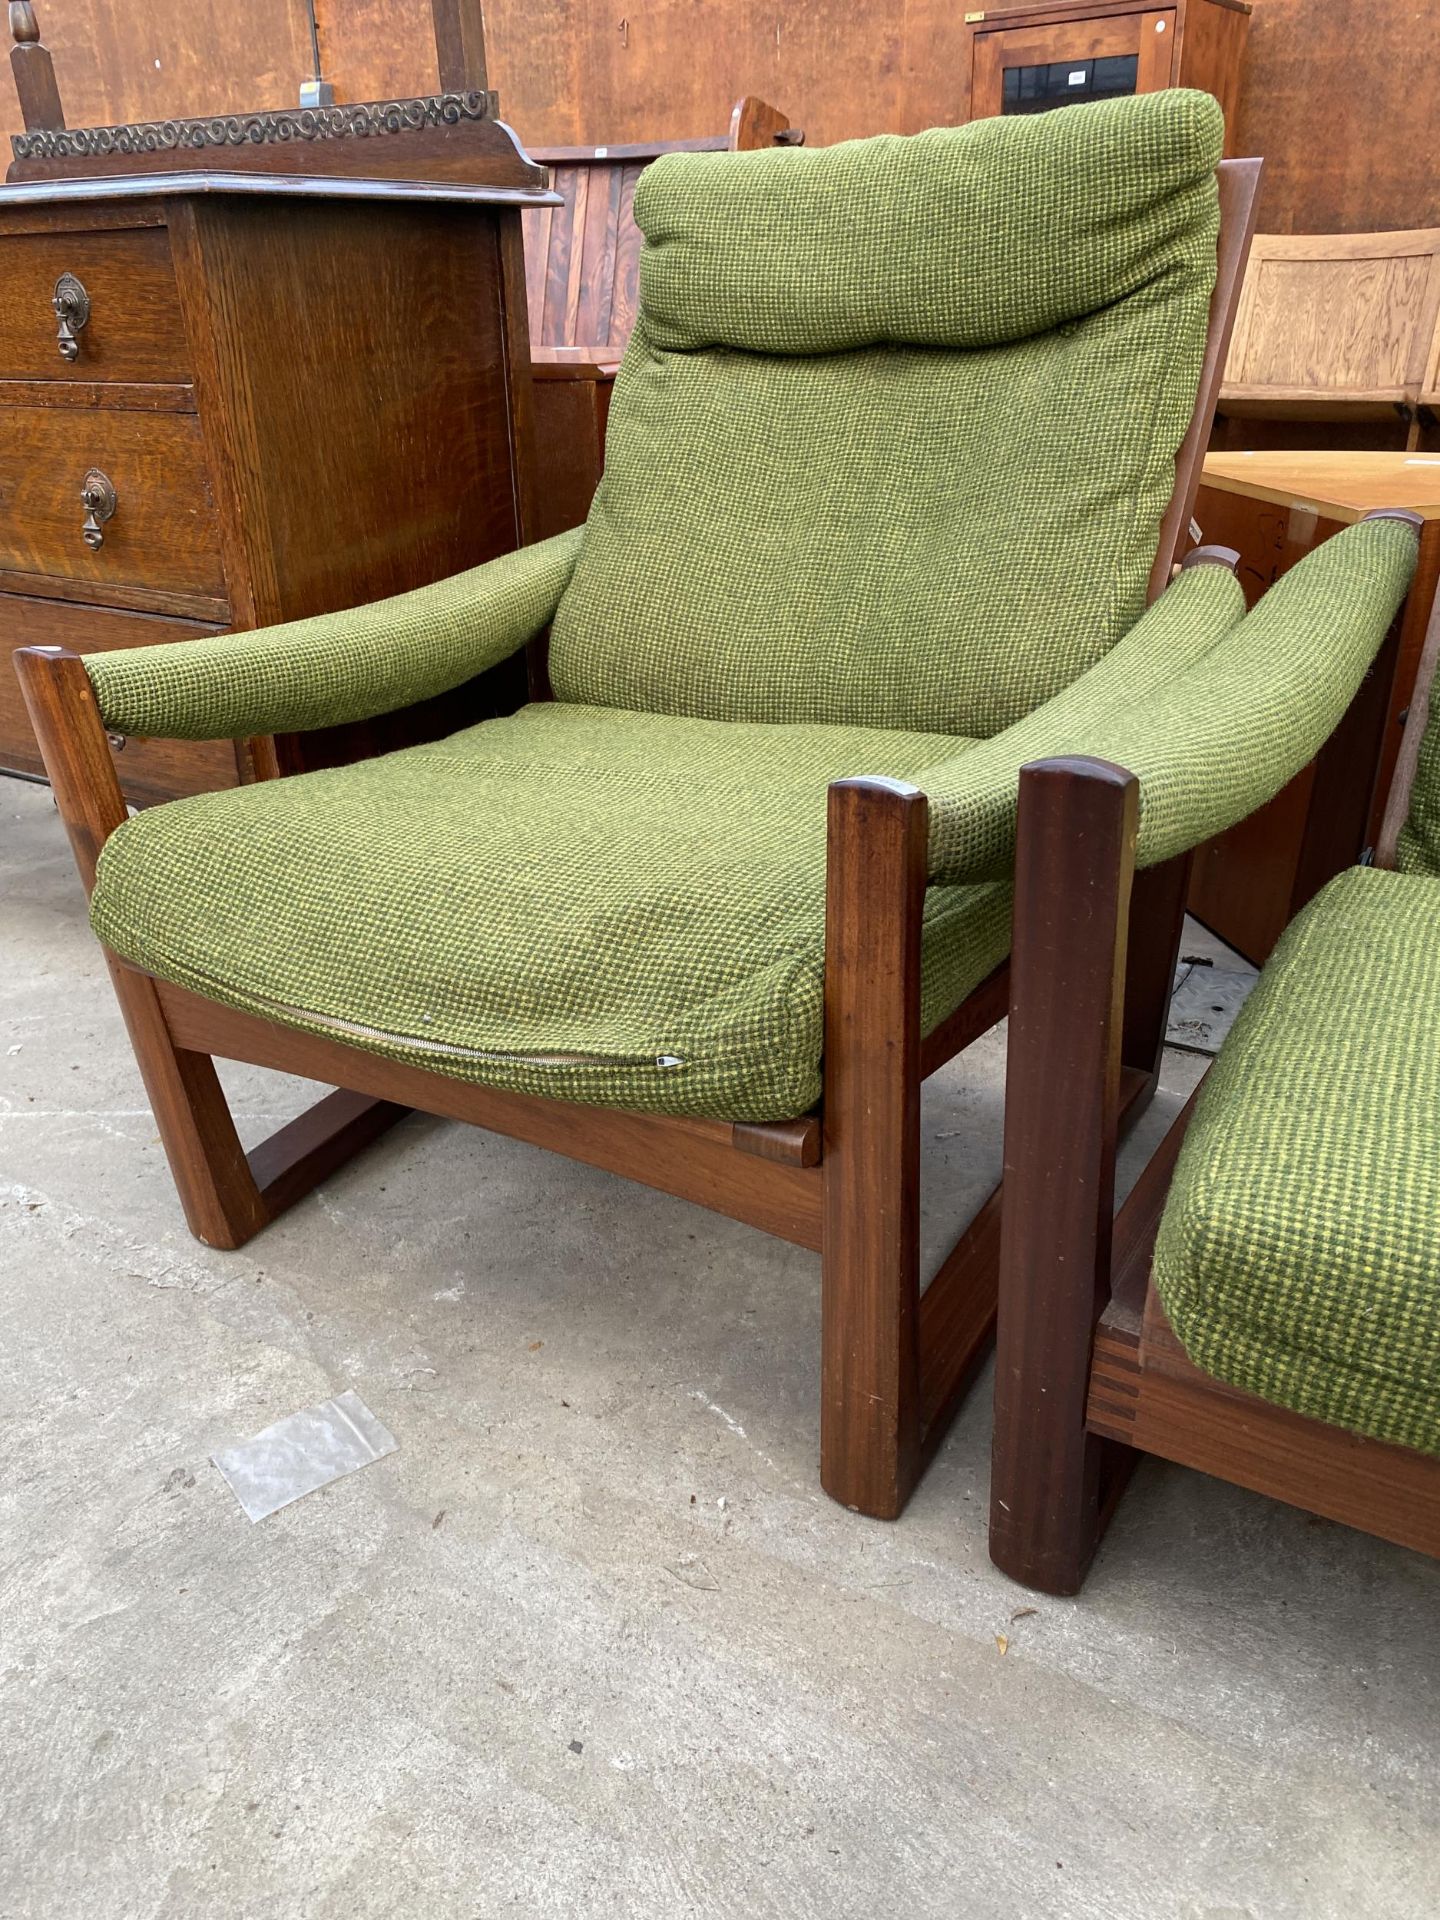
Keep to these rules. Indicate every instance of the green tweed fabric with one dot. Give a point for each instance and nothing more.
(1418, 848)
(600, 906)
(339, 666)
(897, 425)
(1246, 703)
(1299, 1254)
(959, 237)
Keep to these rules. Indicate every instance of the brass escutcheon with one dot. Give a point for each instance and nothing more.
(97, 496)
(72, 309)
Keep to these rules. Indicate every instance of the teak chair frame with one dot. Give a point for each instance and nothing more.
(1089, 1372)
(843, 1182)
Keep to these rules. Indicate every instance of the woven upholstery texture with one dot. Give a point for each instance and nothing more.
(1299, 1254)
(336, 667)
(1213, 712)
(897, 425)
(959, 237)
(973, 794)
(550, 903)
(1225, 736)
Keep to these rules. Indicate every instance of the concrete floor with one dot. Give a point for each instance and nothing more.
(592, 1642)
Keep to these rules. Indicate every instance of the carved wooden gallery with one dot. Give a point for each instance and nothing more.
(656, 648)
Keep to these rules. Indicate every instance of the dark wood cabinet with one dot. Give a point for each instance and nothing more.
(1030, 59)
(229, 400)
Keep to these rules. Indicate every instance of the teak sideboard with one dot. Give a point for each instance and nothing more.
(230, 399)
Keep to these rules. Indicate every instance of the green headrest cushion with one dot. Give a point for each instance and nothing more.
(960, 237)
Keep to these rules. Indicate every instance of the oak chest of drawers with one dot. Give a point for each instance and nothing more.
(227, 401)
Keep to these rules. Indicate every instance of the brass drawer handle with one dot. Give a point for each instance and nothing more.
(97, 496)
(72, 309)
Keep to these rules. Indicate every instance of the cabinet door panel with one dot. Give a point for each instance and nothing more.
(1035, 69)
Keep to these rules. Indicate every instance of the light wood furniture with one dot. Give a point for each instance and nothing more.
(582, 259)
(230, 398)
(1335, 341)
(1089, 1372)
(843, 1181)
(1029, 59)
(1272, 507)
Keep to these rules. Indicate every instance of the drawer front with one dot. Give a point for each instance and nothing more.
(119, 315)
(109, 498)
(149, 770)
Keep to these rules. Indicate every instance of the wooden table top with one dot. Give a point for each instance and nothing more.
(1340, 486)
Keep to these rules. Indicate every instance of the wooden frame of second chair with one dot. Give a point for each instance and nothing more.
(1089, 1373)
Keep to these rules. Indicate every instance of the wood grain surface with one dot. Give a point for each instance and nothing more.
(163, 533)
(133, 332)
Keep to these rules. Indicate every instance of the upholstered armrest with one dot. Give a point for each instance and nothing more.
(972, 795)
(1216, 735)
(1224, 737)
(338, 666)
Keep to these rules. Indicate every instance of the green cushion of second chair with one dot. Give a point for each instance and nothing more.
(601, 906)
(1299, 1255)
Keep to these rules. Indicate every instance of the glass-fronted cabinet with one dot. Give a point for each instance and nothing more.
(1031, 59)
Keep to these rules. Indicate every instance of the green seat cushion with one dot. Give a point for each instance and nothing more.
(1299, 1254)
(602, 906)
(897, 425)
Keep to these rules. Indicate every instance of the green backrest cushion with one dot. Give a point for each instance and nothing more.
(897, 424)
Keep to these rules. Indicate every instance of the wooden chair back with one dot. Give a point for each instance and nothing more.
(1402, 784)
(1335, 327)
(1239, 183)
(582, 259)
(1430, 391)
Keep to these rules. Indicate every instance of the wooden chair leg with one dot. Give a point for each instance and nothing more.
(227, 1195)
(1074, 863)
(870, 1285)
(222, 1203)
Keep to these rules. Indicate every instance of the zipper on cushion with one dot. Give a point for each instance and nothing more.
(450, 1051)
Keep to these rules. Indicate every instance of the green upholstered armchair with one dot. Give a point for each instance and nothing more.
(1271, 1309)
(898, 469)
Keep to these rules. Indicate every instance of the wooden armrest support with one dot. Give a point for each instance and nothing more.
(75, 749)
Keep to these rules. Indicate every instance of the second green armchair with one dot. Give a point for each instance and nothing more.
(1266, 1304)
